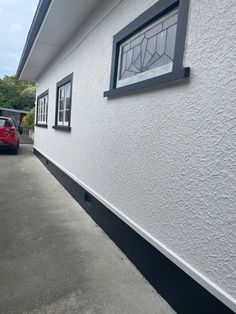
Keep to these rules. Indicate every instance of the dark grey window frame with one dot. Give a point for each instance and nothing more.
(64, 81)
(42, 125)
(159, 9)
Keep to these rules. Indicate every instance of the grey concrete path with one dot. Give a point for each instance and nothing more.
(53, 257)
(26, 139)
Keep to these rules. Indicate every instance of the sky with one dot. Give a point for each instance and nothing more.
(15, 20)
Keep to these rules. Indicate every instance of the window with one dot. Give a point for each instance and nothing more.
(42, 109)
(4, 122)
(9, 123)
(149, 51)
(63, 103)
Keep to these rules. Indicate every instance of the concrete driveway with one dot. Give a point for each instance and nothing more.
(53, 257)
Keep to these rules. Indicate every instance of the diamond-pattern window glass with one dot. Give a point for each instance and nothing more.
(150, 52)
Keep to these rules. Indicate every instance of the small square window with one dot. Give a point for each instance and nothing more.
(149, 51)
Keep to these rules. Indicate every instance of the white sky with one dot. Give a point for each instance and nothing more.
(15, 20)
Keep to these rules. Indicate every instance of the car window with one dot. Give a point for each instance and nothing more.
(8, 123)
(2, 122)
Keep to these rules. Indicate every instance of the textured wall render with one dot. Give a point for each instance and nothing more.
(166, 157)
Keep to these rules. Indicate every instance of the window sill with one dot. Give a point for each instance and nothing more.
(155, 81)
(41, 125)
(62, 128)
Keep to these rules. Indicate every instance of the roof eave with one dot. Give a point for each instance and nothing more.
(34, 29)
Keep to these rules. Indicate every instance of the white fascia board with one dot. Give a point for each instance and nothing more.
(23, 75)
(58, 27)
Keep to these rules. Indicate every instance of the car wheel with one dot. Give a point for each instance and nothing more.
(15, 150)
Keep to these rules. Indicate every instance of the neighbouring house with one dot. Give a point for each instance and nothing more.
(15, 114)
(136, 118)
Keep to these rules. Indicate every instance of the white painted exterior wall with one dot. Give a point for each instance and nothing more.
(163, 160)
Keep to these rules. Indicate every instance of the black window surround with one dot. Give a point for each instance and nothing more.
(151, 15)
(63, 82)
(39, 124)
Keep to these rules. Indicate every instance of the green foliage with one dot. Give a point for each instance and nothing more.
(28, 120)
(16, 94)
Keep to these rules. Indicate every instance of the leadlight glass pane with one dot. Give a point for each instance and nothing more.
(151, 45)
(137, 62)
(137, 51)
(151, 48)
(126, 47)
(170, 42)
(170, 21)
(147, 58)
(137, 41)
(154, 30)
(161, 42)
(160, 61)
(123, 62)
(129, 58)
(143, 49)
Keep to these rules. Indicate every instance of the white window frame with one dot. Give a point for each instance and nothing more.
(42, 109)
(160, 70)
(154, 76)
(63, 103)
(64, 97)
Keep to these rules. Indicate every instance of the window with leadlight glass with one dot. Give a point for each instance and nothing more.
(149, 51)
(63, 103)
(42, 109)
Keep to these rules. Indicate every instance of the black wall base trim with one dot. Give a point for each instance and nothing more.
(183, 293)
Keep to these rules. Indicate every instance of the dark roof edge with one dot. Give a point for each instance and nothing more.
(13, 110)
(35, 26)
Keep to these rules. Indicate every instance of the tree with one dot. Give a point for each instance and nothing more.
(28, 120)
(16, 94)
(27, 98)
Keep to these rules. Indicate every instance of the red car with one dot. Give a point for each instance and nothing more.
(9, 134)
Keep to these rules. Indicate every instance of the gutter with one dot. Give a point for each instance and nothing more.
(34, 29)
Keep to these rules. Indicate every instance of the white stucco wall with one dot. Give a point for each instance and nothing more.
(165, 158)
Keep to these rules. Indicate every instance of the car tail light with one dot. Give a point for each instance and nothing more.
(10, 130)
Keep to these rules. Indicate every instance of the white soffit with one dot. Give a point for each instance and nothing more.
(60, 23)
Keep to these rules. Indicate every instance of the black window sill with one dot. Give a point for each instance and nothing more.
(62, 128)
(41, 125)
(155, 81)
